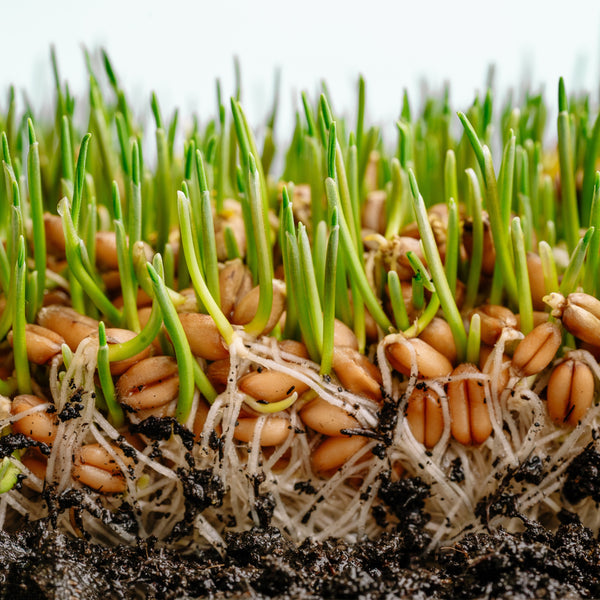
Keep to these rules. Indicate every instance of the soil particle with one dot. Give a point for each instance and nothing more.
(18, 441)
(456, 472)
(72, 410)
(583, 477)
(530, 471)
(201, 488)
(161, 428)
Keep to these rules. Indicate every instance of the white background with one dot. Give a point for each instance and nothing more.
(178, 49)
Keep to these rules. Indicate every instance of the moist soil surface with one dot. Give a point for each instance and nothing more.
(38, 562)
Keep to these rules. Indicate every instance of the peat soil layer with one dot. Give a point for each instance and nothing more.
(39, 562)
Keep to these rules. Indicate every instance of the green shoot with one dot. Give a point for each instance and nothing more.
(437, 271)
(106, 383)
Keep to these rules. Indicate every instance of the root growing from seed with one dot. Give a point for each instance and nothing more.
(340, 504)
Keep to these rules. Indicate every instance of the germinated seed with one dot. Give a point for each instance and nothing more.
(334, 452)
(570, 392)
(67, 322)
(581, 317)
(425, 416)
(40, 426)
(356, 373)
(245, 310)
(203, 336)
(536, 349)
(343, 336)
(326, 418)
(486, 365)
(217, 373)
(294, 347)
(115, 335)
(230, 217)
(274, 432)
(35, 462)
(270, 386)
(494, 318)
(42, 343)
(373, 212)
(150, 383)
(235, 281)
(438, 335)
(55, 237)
(95, 467)
(106, 251)
(430, 362)
(536, 280)
(470, 420)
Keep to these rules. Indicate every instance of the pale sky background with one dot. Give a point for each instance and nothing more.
(179, 48)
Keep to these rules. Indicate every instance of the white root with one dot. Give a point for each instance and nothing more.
(338, 505)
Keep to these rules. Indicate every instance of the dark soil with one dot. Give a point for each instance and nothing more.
(38, 562)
